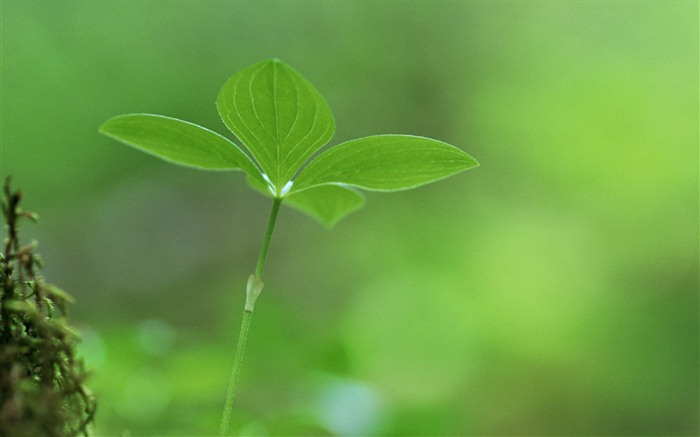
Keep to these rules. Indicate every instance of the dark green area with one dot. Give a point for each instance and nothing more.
(551, 291)
(42, 377)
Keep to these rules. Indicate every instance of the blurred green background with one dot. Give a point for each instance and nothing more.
(551, 291)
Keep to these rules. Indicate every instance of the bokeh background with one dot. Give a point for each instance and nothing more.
(551, 291)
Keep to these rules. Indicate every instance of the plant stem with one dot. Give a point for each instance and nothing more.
(254, 287)
(268, 236)
(228, 407)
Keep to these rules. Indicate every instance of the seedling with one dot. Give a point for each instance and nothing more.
(282, 121)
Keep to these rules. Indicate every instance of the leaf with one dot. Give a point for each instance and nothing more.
(328, 203)
(22, 306)
(260, 186)
(384, 163)
(278, 115)
(58, 294)
(179, 142)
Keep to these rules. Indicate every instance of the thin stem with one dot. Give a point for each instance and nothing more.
(237, 361)
(268, 236)
(253, 289)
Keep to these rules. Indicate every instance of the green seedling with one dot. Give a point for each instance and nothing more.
(282, 121)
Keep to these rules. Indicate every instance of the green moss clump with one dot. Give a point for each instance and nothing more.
(42, 378)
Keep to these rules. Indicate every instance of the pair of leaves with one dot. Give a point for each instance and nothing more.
(282, 120)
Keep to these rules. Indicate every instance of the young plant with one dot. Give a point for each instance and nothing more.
(282, 121)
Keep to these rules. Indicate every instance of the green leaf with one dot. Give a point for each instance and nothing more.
(21, 306)
(58, 294)
(260, 186)
(328, 203)
(278, 115)
(179, 142)
(384, 163)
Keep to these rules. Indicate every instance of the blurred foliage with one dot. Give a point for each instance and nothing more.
(552, 291)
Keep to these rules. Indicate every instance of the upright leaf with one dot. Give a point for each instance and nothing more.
(179, 142)
(384, 163)
(278, 115)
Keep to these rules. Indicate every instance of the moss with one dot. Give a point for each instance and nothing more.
(42, 378)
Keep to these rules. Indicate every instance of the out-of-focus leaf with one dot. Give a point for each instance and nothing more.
(328, 203)
(57, 293)
(21, 306)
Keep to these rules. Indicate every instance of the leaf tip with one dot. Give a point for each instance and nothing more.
(103, 127)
